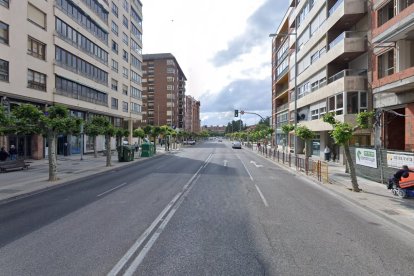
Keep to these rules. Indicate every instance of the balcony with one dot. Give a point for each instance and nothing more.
(346, 80)
(282, 107)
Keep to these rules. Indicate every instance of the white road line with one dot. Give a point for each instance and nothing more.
(138, 260)
(118, 267)
(117, 187)
(225, 163)
(131, 251)
(251, 177)
(262, 196)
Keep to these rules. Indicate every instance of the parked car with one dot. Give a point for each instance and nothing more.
(236, 145)
(189, 142)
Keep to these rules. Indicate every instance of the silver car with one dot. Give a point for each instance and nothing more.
(236, 145)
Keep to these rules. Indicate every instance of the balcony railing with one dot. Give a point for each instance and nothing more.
(342, 36)
(335, 7)
(347, 73)
(282, 107)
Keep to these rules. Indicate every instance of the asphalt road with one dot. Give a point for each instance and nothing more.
(207, 210)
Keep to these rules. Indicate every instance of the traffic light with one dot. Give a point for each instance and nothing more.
(236, 113)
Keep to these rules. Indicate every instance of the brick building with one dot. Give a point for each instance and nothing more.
(84, 54)
(192, 115)
(163, 93)
(393, 72)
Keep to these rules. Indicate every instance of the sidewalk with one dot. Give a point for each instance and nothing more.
(375, 197)
(15, 184)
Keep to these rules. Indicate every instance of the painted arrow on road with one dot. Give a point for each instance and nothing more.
(254, 163)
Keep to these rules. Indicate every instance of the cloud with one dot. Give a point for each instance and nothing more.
(259, 25)
(242, 94)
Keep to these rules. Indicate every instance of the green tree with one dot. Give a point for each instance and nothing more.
(92, 130)
(305, 134)
(104, 127)
(31, 120)
(119, 134)
(342, 134)
(139, 132)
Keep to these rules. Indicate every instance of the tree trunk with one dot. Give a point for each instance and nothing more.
(108, 150)
(51, 140)
(351, 167)
(95, 149)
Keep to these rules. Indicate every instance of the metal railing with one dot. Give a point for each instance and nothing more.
(347, 73)
(314, 168)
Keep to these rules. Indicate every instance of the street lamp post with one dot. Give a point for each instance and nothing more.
(296, 78)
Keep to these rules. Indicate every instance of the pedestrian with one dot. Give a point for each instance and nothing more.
(334, 153)
(13, 152)
(327, 152)
(403, 172)
(3, 154)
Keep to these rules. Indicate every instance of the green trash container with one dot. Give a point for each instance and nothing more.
(125, 153)
(146, 150)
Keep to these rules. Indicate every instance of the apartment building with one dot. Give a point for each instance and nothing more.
(328, 41)
(84, 54)
(393, 72)
(192, 115)
(280, 81)
(163, 91)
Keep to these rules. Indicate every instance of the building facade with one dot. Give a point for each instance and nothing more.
(393, 72)
(163, 91)
(192, 115)
(84, 54)
(328, 40)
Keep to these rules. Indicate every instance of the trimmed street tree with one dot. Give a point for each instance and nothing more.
(93, 130)
(139, 132)
(342, 133)
(104, 127)
(119, 134)
(57, 120)
(286, 129)
(305, 134)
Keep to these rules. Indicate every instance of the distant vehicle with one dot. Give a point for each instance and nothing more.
(236, 145)
(219, 140)
(189, 142)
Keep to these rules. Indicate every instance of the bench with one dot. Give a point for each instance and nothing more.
(13, 165)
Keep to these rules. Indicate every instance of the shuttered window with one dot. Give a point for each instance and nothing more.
(36, 16)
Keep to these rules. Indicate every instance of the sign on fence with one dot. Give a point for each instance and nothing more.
(397, 159)
(366, 157)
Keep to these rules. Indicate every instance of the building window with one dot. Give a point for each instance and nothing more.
(125, 22)
(386, 13)
(36, 16)
(136, 62)
(4, 33)
(4, 3)
(114, 103)
(114, 66)
(356, 102)
(36, 80)
(114, 47)
(135, 108)
(80, 41)
(125, 72)
(124, 106)
(80, 92)
(115, 9)
(386, 64)
(135, 77)
(135, 31)
(79, 66)
(125, 4)
(124, 89)
(114, 84)
(36, 48)
(170, 70)
(114, 28)
(125, 38)
(4, 70)
(336, 104)
(125, 55)
(135, 47)
(78, 15)
(170, 79)
(136, 93)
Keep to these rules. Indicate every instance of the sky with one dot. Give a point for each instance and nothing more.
(223, 48)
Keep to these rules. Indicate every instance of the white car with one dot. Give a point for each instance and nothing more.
(236, 145)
